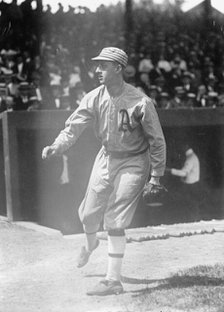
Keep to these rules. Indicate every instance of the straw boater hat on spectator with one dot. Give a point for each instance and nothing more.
(113, 55)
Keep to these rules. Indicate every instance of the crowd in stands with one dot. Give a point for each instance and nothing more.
(45, 57)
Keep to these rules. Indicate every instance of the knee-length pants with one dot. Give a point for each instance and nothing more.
(113, 191)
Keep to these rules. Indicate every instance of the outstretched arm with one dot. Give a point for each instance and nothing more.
(79, 120)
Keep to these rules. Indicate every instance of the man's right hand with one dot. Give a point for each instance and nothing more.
(168, 170)
(49, 151)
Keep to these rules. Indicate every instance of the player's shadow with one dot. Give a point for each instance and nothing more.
(128, 280)
(173, 282)
(180, 282)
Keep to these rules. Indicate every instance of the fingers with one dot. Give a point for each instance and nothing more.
(45, 152)
(48, 152)
(155, 190)
(154, 180)
(147, 188)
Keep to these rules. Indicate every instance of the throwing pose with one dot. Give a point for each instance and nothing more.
(133, 147)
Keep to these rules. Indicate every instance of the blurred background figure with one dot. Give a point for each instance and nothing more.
(144, 83)
(130, 75)
(190, 100)
(177, 101)
(163, 100)
(34, 104)
(212, 99)
(188, 196)
(145, 64)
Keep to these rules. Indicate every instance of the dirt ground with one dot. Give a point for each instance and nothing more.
(38, 271)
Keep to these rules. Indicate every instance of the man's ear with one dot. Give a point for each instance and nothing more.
(118, 68)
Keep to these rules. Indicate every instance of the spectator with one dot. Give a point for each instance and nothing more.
(13, 87)
(163, 64)
(33, 104)
(77, 95)
(155, 72)
(212, 99)
(144, 83)
(211, 83)
(178, 100)
(169, 52)
(74, 76)
(187, 82)
(3, 95)
(130, 75)
(201, 96)
(163, 100)
(190, 100)
(153, 94)
(174, 78)
(21, 102)
(85, 74)
(145, 64)
(20, 68)
(160, 83)
(178, 63)
(221, 95)
(56, 95)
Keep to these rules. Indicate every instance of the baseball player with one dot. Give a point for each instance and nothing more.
(133, 146)
(190, 190)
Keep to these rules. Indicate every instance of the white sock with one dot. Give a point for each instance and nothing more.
(91, 239)
(116, 248)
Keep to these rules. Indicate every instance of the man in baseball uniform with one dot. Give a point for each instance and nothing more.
(190, 192)
(133, 147)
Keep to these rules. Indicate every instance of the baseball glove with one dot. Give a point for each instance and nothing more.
(154, 193)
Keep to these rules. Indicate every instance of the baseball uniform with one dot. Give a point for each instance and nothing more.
(133, 147)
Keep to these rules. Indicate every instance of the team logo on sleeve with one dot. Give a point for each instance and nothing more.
(124, 121)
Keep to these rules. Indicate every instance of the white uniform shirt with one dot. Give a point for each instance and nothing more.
(190, 173)
(127, 123)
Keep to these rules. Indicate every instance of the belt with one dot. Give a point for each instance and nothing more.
(116, 154)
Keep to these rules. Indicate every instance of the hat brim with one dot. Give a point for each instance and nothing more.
(102, 58)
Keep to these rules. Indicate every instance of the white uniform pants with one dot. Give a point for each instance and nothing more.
(113, 191)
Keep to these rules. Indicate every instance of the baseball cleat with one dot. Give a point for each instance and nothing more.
(106, 287)
(84, 255)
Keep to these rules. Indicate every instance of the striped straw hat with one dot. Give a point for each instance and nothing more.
(112, 54)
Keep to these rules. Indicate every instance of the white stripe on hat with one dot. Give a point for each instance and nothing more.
(112, 54)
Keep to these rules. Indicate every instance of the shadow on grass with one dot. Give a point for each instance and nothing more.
(198, 276)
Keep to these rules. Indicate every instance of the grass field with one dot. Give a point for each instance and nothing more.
(200, 289)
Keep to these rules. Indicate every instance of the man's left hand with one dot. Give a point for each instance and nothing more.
(153, 192)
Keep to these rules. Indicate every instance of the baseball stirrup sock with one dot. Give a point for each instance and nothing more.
(116, 248)
(91, 241)
(91, 238)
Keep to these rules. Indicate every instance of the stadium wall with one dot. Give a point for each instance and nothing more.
(35, 190)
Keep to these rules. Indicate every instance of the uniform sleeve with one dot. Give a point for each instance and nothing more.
(153, 132)
(79, 120)
(183, 172)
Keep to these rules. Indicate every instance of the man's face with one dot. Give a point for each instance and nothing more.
(106, 72)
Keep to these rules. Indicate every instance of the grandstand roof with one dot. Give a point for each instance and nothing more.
(193, 4)
(200, 9)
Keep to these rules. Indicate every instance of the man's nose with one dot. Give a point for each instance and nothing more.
(97, 69)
